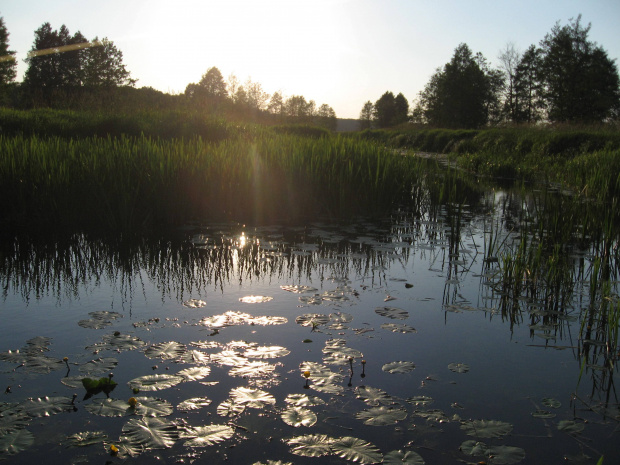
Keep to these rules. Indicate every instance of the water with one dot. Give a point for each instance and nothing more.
(432, 267)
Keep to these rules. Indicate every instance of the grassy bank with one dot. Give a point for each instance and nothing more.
(582, 158)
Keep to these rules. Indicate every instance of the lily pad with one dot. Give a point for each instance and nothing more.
(297, 416)
(15, 442)
(166, 350)
(194, 373)
(399, 328)
(459, 367)
(543, 414)
(420, 400)
(356, 450)
(380, 416)
(372, 396)
(570, 426)
(303, 400)
(230, 408)
(150, 433)
(109, 407)
(86, 438)
(298, 289)
(46, 406)
(267, 352)
(310, 445)
(399, 367)
(312, 319)
(551, 403)
(486, 428)
(155, 382)
(392, 312)
(194, 403)
(399, 457)
(203, 436)
(252, 369)
(194, 303)
(99, 366)
(254, 398)
(255, 299)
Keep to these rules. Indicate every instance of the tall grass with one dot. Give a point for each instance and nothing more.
(124, 183)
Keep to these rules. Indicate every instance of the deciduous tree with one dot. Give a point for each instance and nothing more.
(366, 115)
(8, 65)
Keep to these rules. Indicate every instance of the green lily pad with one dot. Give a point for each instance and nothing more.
(380, 416)
(399, 457)
(459, 367)
(149, 433)
(486, 428)
(399, 367)
(253, 398)
(392, 312)
(154, 382)
(372, 396)
(15, 442)
(203, 436)
(166, 350)
(310, 445)
(194, 403)
(356, 450)
(571, 426)
(86, 438)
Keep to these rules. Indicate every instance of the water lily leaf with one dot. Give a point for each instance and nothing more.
(506, 455)
(543, 414)
(267, 352)
(118, 342)
(154, 382)
(340, 317)
(372, 396)
(310, 445)
(459, 367)
(551, 403)
(194, 373)
(273, 462)
(398, 367)
(312, 319)
(194, 303)
(486, 428)
(320, 373)
(99, 366)
(166, 350)
(203, 436)
(95, 386)
(74, 382)
(298, 289)
(337, 353)
(194, 403)
(399, 457)
(252, 369)
(109, 407)
(474, 448)
(311, 299)
(255, 299)
(149, 433)
(432, 415)
(229, 358)
(254, 398)
(86, 438)
(303, 400)
(41, 363)
(297, 416)
(46, 406)
(570, 426)
(230, 408)
(15, 442)
(399, 328)
(380, 416)
(392, 312)
(356, 450)
(152, 407)
(327, 388)
(195, 357)
(420, 400)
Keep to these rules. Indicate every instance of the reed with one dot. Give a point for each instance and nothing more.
(123, 183)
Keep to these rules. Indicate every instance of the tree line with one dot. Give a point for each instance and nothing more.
(566, 79)
(69, 71)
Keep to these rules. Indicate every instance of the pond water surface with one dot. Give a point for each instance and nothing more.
(327, 343)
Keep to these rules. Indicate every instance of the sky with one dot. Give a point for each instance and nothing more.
(338, 52)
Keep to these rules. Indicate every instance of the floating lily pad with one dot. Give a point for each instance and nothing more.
(149, 433)
(380, 416)
(109, 407)
(303, 400)
(399, 367)
(203, 436)
(356, 450)
(399, 328)
(399, 457)
(155, 382)
(151, 407)
(298, 289)
(194, 373)
(420, 400)
(570, 426)
(99, 366)
(15, 441)
(254, 398)
(13, 418)
(392, 312)
(118, 342)
(46, 406)
(459, 367)
(372, 396)
(166, 350)
(551, 403)
(297, 416)
(194, 303)
(230, 408)
(310, 445)
(194, 403)
(267, 352)
(312, 319)
(486, 428)
(543, 414)
(255, 299)
(86, 438)
(320, 373)
(252, 369)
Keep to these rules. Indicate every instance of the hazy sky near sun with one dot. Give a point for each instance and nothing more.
(339, 52)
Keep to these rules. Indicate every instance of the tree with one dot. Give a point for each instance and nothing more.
(580, 82)
(509, 59)
(462, 94)
(8, 65)
(276, 105)
(103, 65)
(256, 97)
(366, 115)
(401, 110)
(385, 110)
(528, 97)
(326, 117)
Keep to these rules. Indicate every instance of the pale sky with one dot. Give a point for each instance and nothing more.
(338, 52)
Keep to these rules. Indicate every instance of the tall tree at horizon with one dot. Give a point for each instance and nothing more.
(8, 64)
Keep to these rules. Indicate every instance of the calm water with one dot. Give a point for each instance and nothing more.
(411, 288)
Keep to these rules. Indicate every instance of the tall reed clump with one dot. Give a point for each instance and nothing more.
(137, 182)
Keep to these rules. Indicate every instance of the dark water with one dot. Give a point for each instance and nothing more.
(430, 270)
